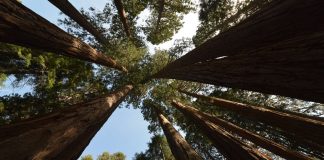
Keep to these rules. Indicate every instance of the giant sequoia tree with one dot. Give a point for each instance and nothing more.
(62, 134)
(19, 28)
(259, 45)
(179, 147)
(261, 53)
(72, 12)
(308, 127)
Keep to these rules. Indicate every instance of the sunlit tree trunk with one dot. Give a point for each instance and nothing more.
(67, 8)
(19, 25)
(180, 148)
(225, 142)
(122, 16)
(307, 127)
(273, 51)
(59, 135)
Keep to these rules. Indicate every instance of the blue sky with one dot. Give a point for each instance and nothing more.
(126, 130)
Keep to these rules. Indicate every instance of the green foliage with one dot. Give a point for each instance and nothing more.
(87, 157)
(59, 81)
(3, 78)
(218, 15)
(106, 156)
(157, 149)
(162, 24)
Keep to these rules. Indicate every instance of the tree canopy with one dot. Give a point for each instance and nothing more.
(58, 81)
(106, 156)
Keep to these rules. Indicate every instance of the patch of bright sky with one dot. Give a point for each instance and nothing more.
(8, 88)
(126, 130)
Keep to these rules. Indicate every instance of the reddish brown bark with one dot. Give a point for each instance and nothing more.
(309, 128)
(19, 25)
(256, 139)
(60, 135)
(250, 8)
(180, 148)
(225, 142)
(67, 8)
(122, 16)
(278, 50)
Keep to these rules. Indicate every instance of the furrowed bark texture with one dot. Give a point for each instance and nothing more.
(225, 142)
(277, 50)
(59, 135)
(307, 127)
(21, 26)
(256, 139)
(122, 16)
(180, 148)
(67, 8)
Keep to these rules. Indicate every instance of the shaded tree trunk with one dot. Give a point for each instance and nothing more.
(273, 51)
(67, 8)
(21, 26)
(307, 127)
(256, 139)
(251, 7)
(179, 146)
(225, 142)
(59, 135)
(161, 4)
(122, 16)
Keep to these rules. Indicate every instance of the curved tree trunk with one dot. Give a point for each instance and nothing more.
(60, 135)
(21, 26)
(225, 142)
(277, 50)
(67, 8)
(307, 127)
(122, 16)
(180, 148)
(256, 139)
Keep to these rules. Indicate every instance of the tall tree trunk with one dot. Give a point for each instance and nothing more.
(273, 51)
(304, 126)
(161, 4)
(60, 135)
(225, 142)
(122, 16)
(179, 146)
(67, 8)
(256, 139)
(251, 7)
(21, 26)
